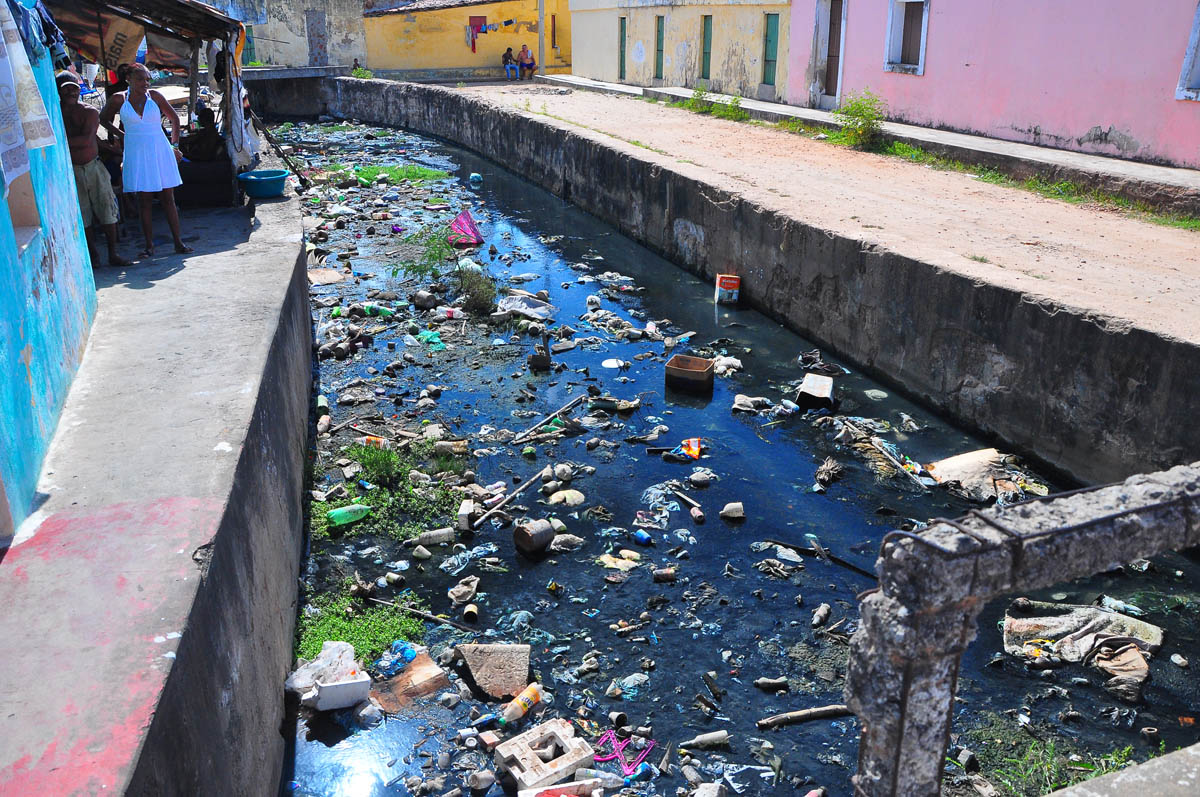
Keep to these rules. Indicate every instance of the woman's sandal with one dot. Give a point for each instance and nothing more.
(184, 249)
(146, 254)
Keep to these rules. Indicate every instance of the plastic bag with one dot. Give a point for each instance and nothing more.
(334, 663)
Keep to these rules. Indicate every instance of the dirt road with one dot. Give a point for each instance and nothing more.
(1082, 256)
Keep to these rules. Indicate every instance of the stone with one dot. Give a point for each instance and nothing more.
(568, 497)
(499, 671)
(449, 699)
(709, 790)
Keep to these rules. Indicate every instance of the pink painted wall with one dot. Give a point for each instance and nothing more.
(1091, 75)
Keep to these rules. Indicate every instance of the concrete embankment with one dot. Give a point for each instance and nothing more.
(150, 601)
(1092, 396)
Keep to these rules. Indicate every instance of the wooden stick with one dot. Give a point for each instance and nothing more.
(506, 499)
(686, 499)
(570, 405)
(837, 560)
(278, 149)
(433, 618)
(804, 715)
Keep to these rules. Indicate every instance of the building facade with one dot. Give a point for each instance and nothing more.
(731, 47)
(47, 293)
(300, 32)
(464, 39)
(1077, 75)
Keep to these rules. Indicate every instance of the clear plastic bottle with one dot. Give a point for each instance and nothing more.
(521, 704)
(373, 442)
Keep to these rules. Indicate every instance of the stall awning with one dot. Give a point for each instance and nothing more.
(108, 33)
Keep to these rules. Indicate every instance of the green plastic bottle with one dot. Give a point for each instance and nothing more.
(372, 309)
(347, 514)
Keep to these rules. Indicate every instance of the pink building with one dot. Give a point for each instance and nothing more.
(1102, 76)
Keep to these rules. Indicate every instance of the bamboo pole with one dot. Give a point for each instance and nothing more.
(804, 715)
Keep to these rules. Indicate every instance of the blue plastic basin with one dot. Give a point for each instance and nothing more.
(263, 183)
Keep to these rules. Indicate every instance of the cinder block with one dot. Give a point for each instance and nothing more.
(518, 758)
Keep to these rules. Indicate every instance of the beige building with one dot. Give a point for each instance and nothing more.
(733, 47)
(300, 32)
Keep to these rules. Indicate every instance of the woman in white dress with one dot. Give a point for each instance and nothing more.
(150, 166)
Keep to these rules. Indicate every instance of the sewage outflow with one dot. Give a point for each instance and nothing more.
(727, 613)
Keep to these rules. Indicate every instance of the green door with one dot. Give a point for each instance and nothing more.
(659, 25)
(770, 48)
(621, 48)
(706, 47)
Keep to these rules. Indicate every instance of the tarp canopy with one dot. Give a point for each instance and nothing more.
(109, 33)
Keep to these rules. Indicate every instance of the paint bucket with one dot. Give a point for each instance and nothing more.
(728, 286)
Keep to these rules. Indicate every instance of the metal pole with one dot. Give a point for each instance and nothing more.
(542, 36)
(193, 84)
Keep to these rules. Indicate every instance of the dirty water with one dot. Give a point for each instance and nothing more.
(722, 614)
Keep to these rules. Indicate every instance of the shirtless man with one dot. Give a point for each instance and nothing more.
(97, 202)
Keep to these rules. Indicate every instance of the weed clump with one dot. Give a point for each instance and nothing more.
(435, 250)
(479, 291)
(861, 118)
(370, 630)
(362, 73)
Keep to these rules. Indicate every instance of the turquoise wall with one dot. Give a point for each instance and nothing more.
(47, 301)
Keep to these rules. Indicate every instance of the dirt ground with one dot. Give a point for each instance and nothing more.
(1081, 256)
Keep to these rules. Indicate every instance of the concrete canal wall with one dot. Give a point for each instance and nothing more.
(1094, 397)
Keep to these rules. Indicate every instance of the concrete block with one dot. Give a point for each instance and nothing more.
(489, 740)
(498, 670)
(465, 510)
(816, 392)
(518, 759)
(340, 694)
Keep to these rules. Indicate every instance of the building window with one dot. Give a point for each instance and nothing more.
(770, 48)
(706, 47)
(553, 31)
(659, 29)
(908, 24)
(22, 210)
(621, 48)
(1189, 77)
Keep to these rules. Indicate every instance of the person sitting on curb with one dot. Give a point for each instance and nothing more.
(97, 202)
(510, 64)
(526, 63)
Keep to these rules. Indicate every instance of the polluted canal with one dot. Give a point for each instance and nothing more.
(491, 375)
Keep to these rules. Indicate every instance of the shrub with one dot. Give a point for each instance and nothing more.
(861, 116)
(479, 290)
(701, 100)
(731, 110)
(362, 73)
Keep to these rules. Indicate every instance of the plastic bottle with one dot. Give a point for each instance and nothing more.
(373, 442)
(608, 780)
(347, 514)
(396, 659)
(373, 309)
(642, 537)
(521, 704)
(644, 771)
(450, 312)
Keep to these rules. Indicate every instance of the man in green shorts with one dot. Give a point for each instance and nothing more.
(97, 203)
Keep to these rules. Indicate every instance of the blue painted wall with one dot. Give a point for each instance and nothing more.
(47, 301)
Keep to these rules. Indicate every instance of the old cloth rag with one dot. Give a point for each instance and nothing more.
(24, 122)
(463, 231)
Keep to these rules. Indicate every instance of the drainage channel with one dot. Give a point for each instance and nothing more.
(678, 654)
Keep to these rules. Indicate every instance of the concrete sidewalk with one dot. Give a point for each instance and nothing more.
(149, 600)
(1163, 187)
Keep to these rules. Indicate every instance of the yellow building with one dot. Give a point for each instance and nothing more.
(453, 39)
(733, 47)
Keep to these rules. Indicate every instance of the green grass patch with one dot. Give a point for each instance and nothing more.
(370, 631)
(335, 128)
(979, 259)
(1062, 190)
(409, 172)
(398, 508)
(362, 73)
(703, 102)
(1042, 768)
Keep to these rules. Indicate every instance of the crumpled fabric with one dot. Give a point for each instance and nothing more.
(528, 307)
(1072, 631)
(744, 403)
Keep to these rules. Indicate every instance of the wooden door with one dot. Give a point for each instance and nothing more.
(833, 56)
(318, 48)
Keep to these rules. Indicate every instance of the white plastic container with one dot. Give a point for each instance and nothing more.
(340, 694)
